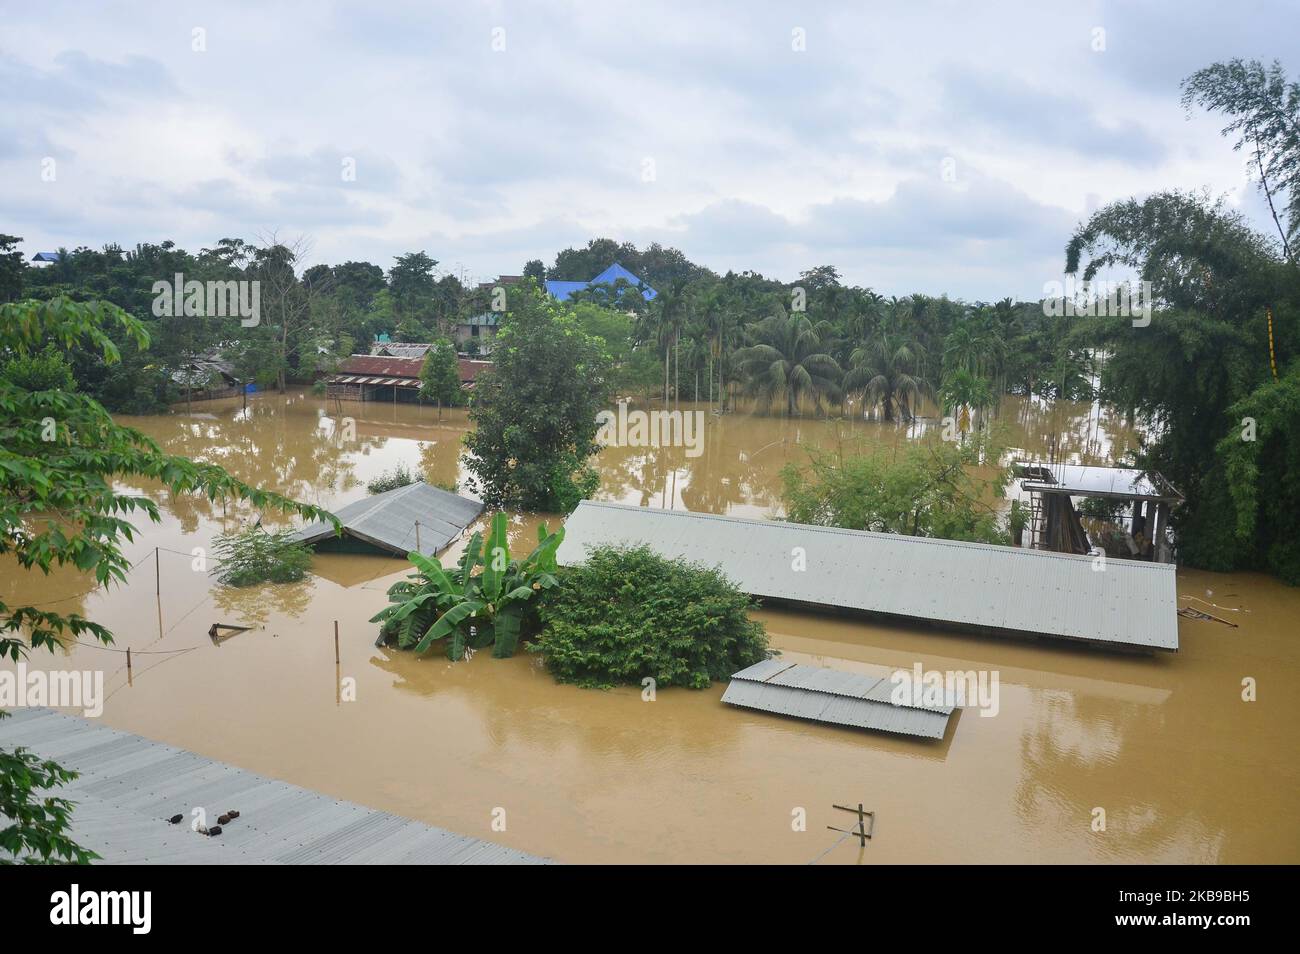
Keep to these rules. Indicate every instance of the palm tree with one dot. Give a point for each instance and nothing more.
(787, 361)
(883, 370)
(967, 394)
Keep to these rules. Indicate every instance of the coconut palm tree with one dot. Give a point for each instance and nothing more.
(787, 361)
(884, 371)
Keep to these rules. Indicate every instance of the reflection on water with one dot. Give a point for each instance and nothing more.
(1184, 770)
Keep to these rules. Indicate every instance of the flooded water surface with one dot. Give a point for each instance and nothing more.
(1183, 769)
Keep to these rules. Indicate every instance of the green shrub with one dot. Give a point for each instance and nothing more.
(254, 556)
(628, 613)
(399, 476)
(469, 609)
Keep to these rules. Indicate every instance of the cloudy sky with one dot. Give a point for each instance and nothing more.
(918, 146)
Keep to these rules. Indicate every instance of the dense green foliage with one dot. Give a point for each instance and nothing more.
(534, 412)
(942, 489)
(62, 460)
(399, 476)
(255, 556)
(625, 615)
(485, 601)
(1223, 421)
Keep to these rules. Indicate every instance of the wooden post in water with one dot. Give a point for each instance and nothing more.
(336, 642)
(157, 574)
(859, 831)
(128, 665)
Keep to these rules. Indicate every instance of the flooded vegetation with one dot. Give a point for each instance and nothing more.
(1184, 769)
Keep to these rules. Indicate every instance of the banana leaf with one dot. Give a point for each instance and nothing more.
(496, 559)
(447, 623)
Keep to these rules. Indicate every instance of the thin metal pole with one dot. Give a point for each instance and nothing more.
(157, 574)
(336, 642)
(417, 537)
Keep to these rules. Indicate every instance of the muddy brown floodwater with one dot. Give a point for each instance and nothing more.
(1185, 770)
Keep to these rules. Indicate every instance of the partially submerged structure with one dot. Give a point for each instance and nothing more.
(377, 377)
(839, 698)
(967, 586)
(416, 517)
(1054, 523)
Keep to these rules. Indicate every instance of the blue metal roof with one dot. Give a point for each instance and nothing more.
(565, 290)
(45, 257)
(562, 290)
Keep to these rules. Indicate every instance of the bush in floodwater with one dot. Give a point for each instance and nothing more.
(399, 476)
(255, 556)
(628, 613)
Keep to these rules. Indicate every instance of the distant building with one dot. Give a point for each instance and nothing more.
(383, 377)
(502, 280)
(45, 258)
(610, 276)
(480, 329)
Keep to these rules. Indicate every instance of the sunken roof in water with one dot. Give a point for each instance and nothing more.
(388, 520)
(972, 586)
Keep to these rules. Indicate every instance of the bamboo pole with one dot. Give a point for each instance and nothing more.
(336, 642)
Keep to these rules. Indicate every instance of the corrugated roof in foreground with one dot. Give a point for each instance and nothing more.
(966, 585)
(129, 786)
(825, 695)
(388, 520)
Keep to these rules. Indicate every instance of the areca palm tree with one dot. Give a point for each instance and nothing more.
(787, 361)
(968, 394)
(884, 371)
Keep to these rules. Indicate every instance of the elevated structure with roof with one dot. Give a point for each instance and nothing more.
(1054, 524)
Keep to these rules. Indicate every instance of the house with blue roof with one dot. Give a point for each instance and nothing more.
(610, 276)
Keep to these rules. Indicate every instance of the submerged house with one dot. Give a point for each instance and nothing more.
(610, 277)
(416, 517)
(380, 377)
(207, 374)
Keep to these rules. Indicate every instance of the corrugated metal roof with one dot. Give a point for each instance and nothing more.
(825, 695)
(128, 786)
(966, 585)
(387, 520)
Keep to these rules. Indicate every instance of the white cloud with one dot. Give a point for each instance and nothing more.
(764, 157)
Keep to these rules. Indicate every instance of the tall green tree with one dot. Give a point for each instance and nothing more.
(787, 362)
(440, 375)
(883, 370)
(12, 268)
(534, 412)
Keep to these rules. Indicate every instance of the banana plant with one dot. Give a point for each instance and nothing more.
(470, 609)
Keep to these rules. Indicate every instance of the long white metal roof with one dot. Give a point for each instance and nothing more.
(965, 585)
